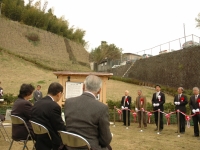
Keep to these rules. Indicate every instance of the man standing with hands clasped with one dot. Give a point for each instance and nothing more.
(126, 103)
(180, 101)
(158, 100)
(140, 104)
(195, 106)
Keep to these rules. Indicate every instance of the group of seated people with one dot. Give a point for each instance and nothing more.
(84, 115)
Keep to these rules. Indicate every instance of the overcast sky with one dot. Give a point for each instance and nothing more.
(132, 25)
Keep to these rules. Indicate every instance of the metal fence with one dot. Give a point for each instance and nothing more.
(170, 46)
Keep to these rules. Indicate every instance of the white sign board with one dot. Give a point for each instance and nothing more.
(73, 89)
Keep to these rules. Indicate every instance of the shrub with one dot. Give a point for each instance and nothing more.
(9, 98)
(33, 37)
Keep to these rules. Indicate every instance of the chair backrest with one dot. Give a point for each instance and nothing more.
(73, 140)
(19, 120)
(8, 113)
(39, 129)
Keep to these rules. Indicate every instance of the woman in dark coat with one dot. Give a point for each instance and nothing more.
(22, 108)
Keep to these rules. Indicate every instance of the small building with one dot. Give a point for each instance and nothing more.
(130, 57)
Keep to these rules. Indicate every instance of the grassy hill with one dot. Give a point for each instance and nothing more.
(50, 51)
(15, 71)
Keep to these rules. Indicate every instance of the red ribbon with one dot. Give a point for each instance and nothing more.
(149, 116)
(187, 118)
(134, 116)
(141, 101)
(119, 113)
(168, 118)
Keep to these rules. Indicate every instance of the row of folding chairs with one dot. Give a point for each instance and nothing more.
(68, 139)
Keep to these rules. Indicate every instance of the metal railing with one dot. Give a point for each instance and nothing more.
(170, 46)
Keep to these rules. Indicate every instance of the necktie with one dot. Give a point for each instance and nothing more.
(125, 100)
(196, 98)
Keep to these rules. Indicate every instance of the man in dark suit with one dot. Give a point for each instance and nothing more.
(37, 94)
(195, 106)
(158, 100)
(88, 117)
(180, 101)
(48, 113)
(126, 103)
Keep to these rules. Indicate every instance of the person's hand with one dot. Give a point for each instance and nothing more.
(122, 107)
(157, 104)
(136, 109)
(176, 103)
(154, 105)
(194, 111)
(125, 107)
(197, 110)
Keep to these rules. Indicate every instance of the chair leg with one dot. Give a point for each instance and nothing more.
(25, 146)
(6, 135)
(11, 144)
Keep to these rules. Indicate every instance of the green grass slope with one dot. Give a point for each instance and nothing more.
(50, 52)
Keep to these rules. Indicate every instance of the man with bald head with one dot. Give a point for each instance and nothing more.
(180, 101)
(195, 106)
(126, 103)
(88, 117)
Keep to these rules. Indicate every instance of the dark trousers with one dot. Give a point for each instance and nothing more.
(144, 121)
(156, 119)
(124, 117)
(181, 122)
(196, 120)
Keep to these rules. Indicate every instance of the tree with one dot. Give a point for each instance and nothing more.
(105, 51)
(198, 20)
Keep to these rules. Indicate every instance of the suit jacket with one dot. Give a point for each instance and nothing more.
(21, 108)
(87, 117)
(156, 100)
(138, 103)
(37, 95)
(193, 104)
(48, 113)
(183, 101)
(127, 103)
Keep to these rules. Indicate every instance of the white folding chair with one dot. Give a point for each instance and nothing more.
(74, 140)
(3, 125)
(18, 120)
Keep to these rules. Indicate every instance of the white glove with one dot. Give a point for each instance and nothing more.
(136, 109)
(154, 105)
(194, 111)
(197, 110)
(176, 103)
(157, 104)
(122, 107)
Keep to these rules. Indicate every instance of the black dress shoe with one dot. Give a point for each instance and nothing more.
(182, 132)
(195, 135)
(160, 130)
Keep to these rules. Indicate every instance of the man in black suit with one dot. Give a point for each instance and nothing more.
(48, 113)
(180, 101)
(126, 103)
(89, 117)
(158, 100)
(195, 106)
